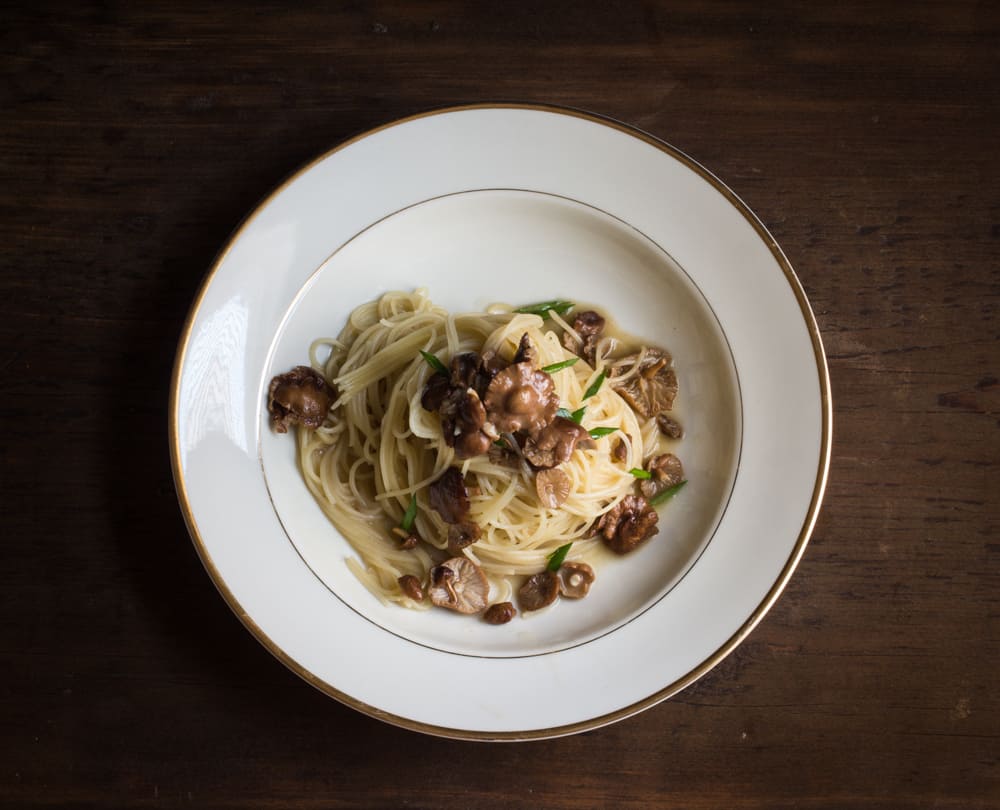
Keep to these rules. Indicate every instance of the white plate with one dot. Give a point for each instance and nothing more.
(515, 204)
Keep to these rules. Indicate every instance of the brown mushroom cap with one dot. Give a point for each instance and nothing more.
(575, 579)
(652, 388)
(410, 586)
(500, 613)
(449, 496)
(460, 585)
(538, 591)
(669, 426)
(628, 524)
(555, 443)
(588, 325)
(667, 471)
(299, 397)
(553, 487)
(521, 398)
(461, 535)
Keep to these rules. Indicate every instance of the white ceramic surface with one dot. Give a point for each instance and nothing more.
(509, 204)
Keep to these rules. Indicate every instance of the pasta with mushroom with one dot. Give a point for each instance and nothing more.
(461, 451)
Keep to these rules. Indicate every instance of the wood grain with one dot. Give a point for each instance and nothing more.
(134, 137)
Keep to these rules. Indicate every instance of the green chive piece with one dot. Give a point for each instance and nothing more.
(640, 473)
(560, 366)
(500, 443)
(595, 386)
(597, 433)
(577, 415)
(557, 557)
(667, 494)
(410, 516)
(564, 413)
(545, 307)
(433, 362)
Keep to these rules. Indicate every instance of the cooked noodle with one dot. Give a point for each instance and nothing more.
(379, 447)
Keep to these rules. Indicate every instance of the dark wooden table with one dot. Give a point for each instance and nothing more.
(134, 137)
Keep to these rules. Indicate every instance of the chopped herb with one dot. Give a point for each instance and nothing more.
(559, 366)
(640, 473)
(577, 415)
(597, 433)
(556, 557)
(564, 413)
(433, 362)
(544, 308)
(500, 443)
(595, 386)
(410, 516)
(666, 495)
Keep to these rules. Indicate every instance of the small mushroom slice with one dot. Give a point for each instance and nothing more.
(410, 586)
(555, 443)
(666, 471)
(620, 451)
(463, 369)
(648, 382)
(588, 325)
(500, 613)
(449, 496)
(461, 535)
(553, 487)
(521, 398)
(526, 352)
(299, 397)
(575, 579)
(669, 426)
(460, 585)
(436, 389)
(628, 524)
(538, 591)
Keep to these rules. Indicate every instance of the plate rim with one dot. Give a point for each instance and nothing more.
(711, 661)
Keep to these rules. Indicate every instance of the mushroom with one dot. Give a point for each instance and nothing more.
(299, 397)
(449, 496)
(666, 471)
(669, 426)
(555, 443)
(538, 591)
(461, 535)
(630, 522)
(407, 539)
(521, 398)
(436, 389)
(575, 579)
(553, 487)
(620, 451)
(588, 325)
(499, 613)
(460, 585)
(647, 383)
(463, 368)
(464, 425)
(410, 586)
(526, 352)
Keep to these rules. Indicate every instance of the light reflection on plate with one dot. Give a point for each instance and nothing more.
(518, 204)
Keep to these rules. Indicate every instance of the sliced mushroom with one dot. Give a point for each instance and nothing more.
(628, 524)
(555, 443)
(526, 352)
(553, 487)
(436, 389)
(669, 426)
(575, 579)
(299, 397)
(500, 613)
(647, 383)
(588, 325)
(460, 585)
(463, 369)
(620, 451)
(666, 471)
(410, 586)
(461, 535)
(449, 496)
(407, 539)
(538, 591)
(521, 398)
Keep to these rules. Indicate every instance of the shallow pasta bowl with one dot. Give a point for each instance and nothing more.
(518, 204)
